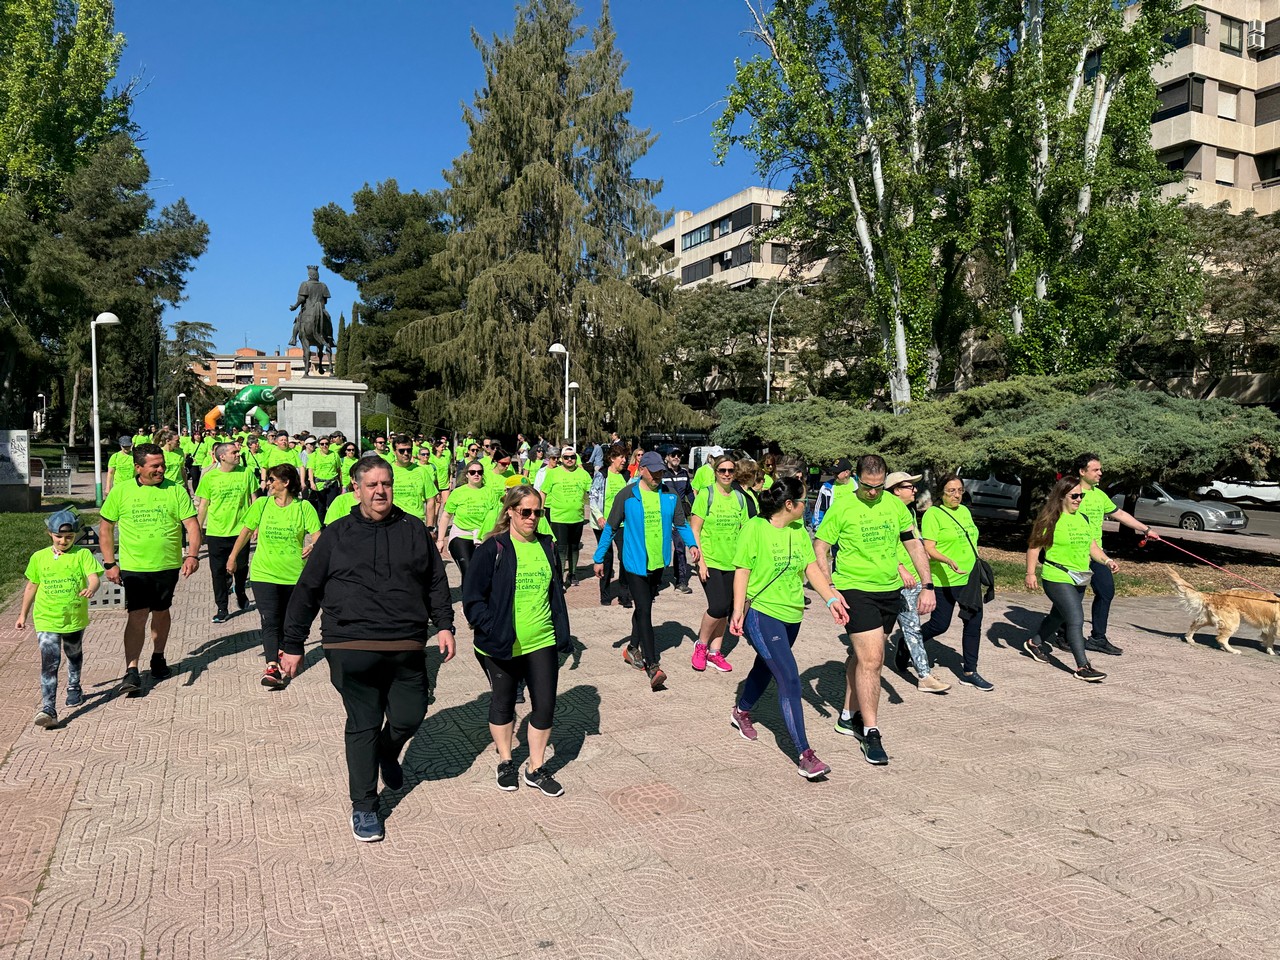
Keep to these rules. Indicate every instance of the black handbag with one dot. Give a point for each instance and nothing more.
(986, 575)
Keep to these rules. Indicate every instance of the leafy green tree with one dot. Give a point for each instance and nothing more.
(550, 241)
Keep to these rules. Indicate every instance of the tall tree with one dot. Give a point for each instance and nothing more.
(551, 232)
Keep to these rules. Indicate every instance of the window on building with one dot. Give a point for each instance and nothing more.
(1228, 102)
(262, 366)
(779, 253)
(742, 217)
(1225, 169)
(1266, 106)
(281, 367)
(1268, 167)
(726, 226)
(1092, 64)
(1231, 39)
(1179, 97)
(695, 237)
(1187, 35)
(696, 271)
(1174, 160)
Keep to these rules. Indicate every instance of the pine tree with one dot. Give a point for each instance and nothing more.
(339, 354)
(551, 237)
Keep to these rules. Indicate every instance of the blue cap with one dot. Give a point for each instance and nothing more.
(126, 441)
(63, 518)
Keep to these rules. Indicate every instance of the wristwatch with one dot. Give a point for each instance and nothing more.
(110, 566)
(928, 586)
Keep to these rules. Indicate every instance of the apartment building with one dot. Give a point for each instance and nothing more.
(249, 366)
(718, 244)
(1219, 115)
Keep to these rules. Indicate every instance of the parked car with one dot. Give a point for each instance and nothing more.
(991, 487)
(1253, 491)
(1159, 505)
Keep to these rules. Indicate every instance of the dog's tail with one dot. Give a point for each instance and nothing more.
(1191, 597)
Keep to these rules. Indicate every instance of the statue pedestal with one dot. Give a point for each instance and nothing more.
(320, 405)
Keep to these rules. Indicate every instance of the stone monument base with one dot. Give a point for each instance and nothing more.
(320, 405)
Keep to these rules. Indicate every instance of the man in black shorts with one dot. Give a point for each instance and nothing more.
(152, 514)
(867, 527)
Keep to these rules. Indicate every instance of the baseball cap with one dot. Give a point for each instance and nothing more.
(126, 442)
(652, 461)
(893, 479)
(568, 452)
(63, 518)
(843, 464)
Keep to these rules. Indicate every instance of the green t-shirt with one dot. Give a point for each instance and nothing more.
(470, 507)
(407, 492)
(613, 484)
(278, 558)
(534, 629)
(951, 542)
(566, 491)
(148, 524)
(1071, 538)
(721, 525)
(868, 535)
(255, 463)
(1096, 505)
(57, 607)
(324, 465)
(229, 494)
(122, 463)
(652, 526)
(703, 477)
(174, 462)
(274, 456)
(202, 455)
(344, 469)
(141, 438)
(777, 558)
(340, 507)
(442, 465)
(186, 445)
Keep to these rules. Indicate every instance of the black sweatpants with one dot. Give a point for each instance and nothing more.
(568, 545)
(219, 554)
(377, 687)
(643, 590)
(272, 600)
(615, 546)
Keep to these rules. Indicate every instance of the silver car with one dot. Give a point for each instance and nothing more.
(1157, 505)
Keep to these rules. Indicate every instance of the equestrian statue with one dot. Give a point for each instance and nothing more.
(313, 326)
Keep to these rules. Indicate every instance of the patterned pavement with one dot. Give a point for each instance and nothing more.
(1051, 818)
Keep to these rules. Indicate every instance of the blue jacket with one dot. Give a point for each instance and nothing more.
(628, 509)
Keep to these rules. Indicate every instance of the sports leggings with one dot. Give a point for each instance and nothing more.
(1068, 611)
(568, 545)
(539, 669)
(462, 550)
(772, 641)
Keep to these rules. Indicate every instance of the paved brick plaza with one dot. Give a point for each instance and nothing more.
(1051, 818)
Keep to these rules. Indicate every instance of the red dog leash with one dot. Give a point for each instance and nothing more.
(1143, 543)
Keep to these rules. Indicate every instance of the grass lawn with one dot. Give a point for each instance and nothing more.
(22, 535)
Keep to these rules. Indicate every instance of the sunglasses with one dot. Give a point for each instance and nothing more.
(475, 473)
(726, 470)
(871, 486)
(504, 463)
(1075, 496)
(569, 459)
(526, 512)
(472, 449)
(404, 449)
(905, 486)
(380, 443)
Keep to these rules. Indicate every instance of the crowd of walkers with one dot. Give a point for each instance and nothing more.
(360, 540)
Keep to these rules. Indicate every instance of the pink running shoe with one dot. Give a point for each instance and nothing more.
(699, 657)
(717, 660)
(811, 767)
(741, 721)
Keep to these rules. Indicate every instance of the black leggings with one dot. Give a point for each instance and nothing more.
(643, 589)
(540, 670)
(272, 600)
(462, 550)
(568, 545)
(1068, 612)
(719, 590)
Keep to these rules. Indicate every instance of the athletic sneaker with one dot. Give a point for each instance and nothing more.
(873, 749)
(131, 682)
(159, 668)
(851, 727)
(684, 588)
(656, 676)
(740, 720)
(46, 719)
(1103, 646)
(508, 775)
(1089, 675)
(540, 779)
(242, 603)
(931, 684)
(75, 696)
(632, 655)
(272, 677)
(810, 767)
(220, 617)
(717, 660)
(977, 681)
(624, 603)
(1036, 650)
(699, 657)
(365, 826)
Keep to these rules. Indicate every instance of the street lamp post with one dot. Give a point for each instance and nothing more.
(181, 397)
(768, 349)
(559, 348)
(574, 387)
(102, 320)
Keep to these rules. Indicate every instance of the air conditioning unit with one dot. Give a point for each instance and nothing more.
(727, 256)
(1257, 35)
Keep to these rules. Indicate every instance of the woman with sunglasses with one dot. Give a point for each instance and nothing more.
(472, 456)
(282, 521)
(520, 623)
(716, 520)
(565, 493)
(910, 647)
(466, 511)
(615, 479)
(347, 458)
(1063, 537)
(773, 557)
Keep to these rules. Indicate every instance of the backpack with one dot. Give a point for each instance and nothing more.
(742, 500)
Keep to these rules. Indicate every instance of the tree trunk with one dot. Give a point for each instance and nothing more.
(75, 398)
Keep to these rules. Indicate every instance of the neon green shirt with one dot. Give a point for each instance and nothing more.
(777, 558)
(186, 445)
(57, 608)
(868, 535)
(703, 477)
(174, 462)
(278, 558)
(255, 463)
(407, 491)
(534, 629)
(122, 463)
(613, 484)
(721, 526)
(344, 469)
(148, 524)
(229, 495)
(141, 438)
(442, 464)
(1096, 505)
(470, 507)
(566, 491)
(323, 465)
(951, 542)
(1072, 536)
(652, 526)
(274, 456)
(340, 507)
(202, 452)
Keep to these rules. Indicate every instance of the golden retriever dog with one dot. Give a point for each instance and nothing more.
(1226, 608)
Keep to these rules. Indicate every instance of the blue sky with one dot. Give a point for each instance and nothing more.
(259, 112)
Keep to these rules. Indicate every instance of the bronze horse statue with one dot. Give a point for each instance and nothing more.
(314, 326)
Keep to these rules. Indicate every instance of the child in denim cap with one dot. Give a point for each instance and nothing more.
(60, 580)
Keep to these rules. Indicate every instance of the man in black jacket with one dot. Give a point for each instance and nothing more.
(379, 582)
